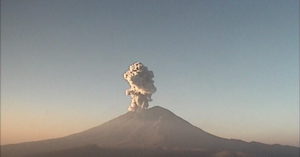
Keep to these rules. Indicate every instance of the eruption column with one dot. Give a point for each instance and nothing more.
(141, 84)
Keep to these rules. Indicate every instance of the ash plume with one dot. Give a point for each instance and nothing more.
(141, 84)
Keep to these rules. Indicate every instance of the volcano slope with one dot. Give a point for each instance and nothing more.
(153, 132)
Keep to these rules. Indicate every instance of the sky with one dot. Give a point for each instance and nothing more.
(228, 67)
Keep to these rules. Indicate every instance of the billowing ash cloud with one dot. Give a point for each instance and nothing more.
(141, 84)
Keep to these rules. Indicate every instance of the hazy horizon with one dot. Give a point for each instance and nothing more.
(229, 68)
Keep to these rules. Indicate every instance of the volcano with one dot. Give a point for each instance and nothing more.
(152, 132)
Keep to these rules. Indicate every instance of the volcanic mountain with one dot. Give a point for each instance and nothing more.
(153, 132)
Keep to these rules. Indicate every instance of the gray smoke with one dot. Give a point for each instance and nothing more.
(141, 84)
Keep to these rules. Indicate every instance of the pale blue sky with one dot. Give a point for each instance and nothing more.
(229, 67)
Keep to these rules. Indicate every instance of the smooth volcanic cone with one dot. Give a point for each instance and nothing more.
(141, 84)
(155, 129)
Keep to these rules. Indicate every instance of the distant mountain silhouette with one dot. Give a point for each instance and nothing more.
(153, 132)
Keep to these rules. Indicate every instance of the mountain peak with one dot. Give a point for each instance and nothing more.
(153, 113)
(159, 110)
